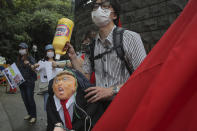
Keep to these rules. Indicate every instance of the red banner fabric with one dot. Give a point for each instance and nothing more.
(161, 94)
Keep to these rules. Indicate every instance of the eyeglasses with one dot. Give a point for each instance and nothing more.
(64, 79)
(103, 5)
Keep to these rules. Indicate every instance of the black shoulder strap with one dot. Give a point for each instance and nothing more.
(91, 53)
(118, 42)
(99, 56)
(118, 46)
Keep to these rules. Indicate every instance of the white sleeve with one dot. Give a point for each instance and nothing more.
(41, 65)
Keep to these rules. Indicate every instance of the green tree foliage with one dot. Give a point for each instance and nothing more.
(42, 25)
(30, 21)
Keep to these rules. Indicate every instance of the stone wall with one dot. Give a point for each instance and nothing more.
(150, 18)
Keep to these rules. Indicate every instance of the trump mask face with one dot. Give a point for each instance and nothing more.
(64, 85)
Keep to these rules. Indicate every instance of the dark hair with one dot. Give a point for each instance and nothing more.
(25, 56)
(116, 6)
(90, 34)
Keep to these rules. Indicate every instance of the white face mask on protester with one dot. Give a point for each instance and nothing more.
(22, 51)
(50, 54)
(34, 48)
(101, 17)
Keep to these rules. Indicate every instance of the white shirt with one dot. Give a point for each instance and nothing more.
(69, 106)
(47, 72)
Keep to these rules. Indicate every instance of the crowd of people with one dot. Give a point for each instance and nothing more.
(77, 93)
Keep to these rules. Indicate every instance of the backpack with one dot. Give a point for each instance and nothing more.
(118, 47)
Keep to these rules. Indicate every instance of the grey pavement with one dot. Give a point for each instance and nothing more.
(4, 121)
(12, 112)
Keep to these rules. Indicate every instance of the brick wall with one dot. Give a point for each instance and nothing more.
(150, 18)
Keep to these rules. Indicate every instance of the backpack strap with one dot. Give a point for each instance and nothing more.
(118, 42)
(99, 56)
(91, 53)
(118, 46)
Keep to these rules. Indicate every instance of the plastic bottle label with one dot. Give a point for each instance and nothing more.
(62, 30)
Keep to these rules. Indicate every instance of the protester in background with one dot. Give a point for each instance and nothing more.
(110, 70)
(88, 39)
(26, 66)
(35, 53)
(45, 66)
(89, 36)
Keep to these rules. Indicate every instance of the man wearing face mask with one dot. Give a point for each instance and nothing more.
(110, 71)
(26, 66)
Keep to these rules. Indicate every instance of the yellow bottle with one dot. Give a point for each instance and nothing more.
(62, 35)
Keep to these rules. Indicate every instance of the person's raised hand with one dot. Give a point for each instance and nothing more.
(26, 62)
(70, 50)
(54, 64)
(36, 65)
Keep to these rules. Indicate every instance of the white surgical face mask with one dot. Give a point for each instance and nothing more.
(101, 17)
(22, 51)
(34, 48)
(50, 54)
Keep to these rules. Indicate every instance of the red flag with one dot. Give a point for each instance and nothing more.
(161, 95)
